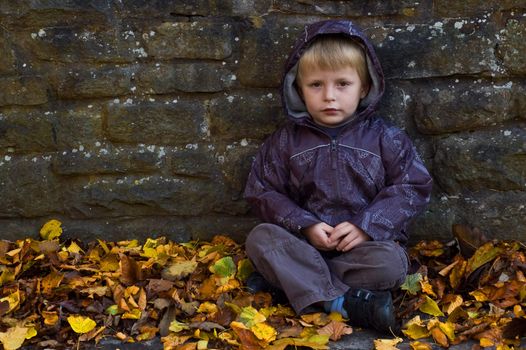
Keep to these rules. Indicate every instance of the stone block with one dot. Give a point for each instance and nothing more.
(165, 78)
(491, 160)
(26, 131)
(83, 44)
(247, 7)
(194, 160)
(136, 195)
(23, 91)
(359, 8)
(77, 125)
(472, 8)
(512, 47)
(455, 105)
(7, 58)
(93, 81)
(42, 14)
(161, 8)
(28, 187)
(247, 115)
(107, 159)
(443, 48)
(175, 122)
(236, 162)
(265, 47)
(193, 40)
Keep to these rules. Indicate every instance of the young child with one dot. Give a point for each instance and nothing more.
(336, 186)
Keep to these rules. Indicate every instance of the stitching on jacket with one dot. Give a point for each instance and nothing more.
(360, 149)
(308, 150)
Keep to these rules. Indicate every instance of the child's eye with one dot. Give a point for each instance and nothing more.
(315, 84)
(344, 83)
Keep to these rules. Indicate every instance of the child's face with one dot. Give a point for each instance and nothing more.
(331, 96)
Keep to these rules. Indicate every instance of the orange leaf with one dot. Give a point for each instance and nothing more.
(335, 330)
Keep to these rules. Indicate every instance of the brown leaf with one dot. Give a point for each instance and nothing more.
(335, 330)
(439, 337)
(469, 240)
(131, 272)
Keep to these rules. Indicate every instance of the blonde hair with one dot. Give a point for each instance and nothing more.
(335, 52)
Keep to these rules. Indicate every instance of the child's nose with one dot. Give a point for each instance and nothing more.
(328, 93)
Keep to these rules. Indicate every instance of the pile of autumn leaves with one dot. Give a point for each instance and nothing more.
(62, 294)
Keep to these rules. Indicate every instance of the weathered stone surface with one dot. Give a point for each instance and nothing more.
(512, 47)
(235, 164)
(194, 160)
(442, 48)
(70, 44)
(359, 8)
(142, 195)
(163, 8)
(28, 187)
(457, 105)
(77, 125)
(7, 58)
(245, 115)
(471, 8)
(247, 7)
(107, 159)
(87, 82)
(22, 90)
(156, 122)
(165, 78)
(264, 49)
(199, 40)
(494, 160)
(26, 131)
(42, 13)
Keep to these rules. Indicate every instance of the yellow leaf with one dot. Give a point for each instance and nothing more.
(479, 295)
(74, 248)
(13, 299)
(416, 345)
(427, 287)
(448, 328)
(455, 302)
(14, 337)
(387, 344)
(176, 326)
(81, 324)
(250, 316)
(484, 254)
(134, 314)
(51, 230)
(314, 343)
(264, 332)
(416, 328)
(208, 308)
(430, 307)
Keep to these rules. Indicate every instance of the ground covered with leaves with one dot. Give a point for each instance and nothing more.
(64, 294)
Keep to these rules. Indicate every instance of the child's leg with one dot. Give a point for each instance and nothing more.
(372, 265)
(290, 263)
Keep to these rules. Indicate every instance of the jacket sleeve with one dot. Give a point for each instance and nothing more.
(406, 193)
(268, 192)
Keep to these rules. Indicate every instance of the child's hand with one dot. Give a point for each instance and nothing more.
(318, 236)
(347, 236)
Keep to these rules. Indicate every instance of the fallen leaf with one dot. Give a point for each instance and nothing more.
(51, 230)
(335, 330)
(81, 324)
(412, 283)
(430, 307)
(14, 337)
(387, 344)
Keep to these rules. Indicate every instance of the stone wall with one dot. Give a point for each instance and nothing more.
(127, 119)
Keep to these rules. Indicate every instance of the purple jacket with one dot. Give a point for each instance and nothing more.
(369, 175)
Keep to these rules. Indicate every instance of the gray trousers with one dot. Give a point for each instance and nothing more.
(308, 276)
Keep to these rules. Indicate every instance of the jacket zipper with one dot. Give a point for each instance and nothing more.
(334, 154)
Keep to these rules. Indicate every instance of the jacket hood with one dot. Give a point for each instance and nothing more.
(294, 106)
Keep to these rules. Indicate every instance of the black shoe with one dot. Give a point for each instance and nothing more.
(370, 309)
(257, 283)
